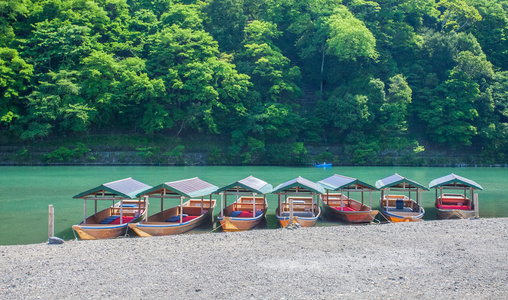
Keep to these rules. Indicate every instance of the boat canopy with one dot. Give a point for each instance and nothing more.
(397, 181)
(339, 182)
(249, 184)
(189, 188)
(127, 188)
(299, 185)
(453, 180)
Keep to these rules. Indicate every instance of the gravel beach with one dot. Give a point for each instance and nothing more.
(456, 259)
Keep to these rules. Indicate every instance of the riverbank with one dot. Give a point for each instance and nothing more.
(457, 259)
(202, 150)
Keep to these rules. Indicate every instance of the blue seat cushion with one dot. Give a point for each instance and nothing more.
(129, 205)
(235, 213)
(399, 204)
(109, 220)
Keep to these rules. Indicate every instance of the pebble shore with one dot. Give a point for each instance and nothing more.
(456, 259)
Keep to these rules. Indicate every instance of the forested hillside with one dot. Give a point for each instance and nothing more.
(267, 78)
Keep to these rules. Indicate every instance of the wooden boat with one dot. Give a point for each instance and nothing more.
(400, 208)
(300, 203)
(181, 218)
(339, 206)
(324, 165)
(455, 205)
(176, 220)
(240, 214)
(302, 210)
(113, 221)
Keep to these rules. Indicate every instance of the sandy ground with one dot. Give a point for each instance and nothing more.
(458, 259)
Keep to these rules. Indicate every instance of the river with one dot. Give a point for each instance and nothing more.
(26, 192)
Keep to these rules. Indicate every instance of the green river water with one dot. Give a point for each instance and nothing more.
(26, 192)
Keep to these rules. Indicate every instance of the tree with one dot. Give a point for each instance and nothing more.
(349, 38)
(195, 77)
(394, 112)
(10, 10)
(226, 22)
(56, 104)
(457, 14)
(451, 113)
(342, 113)
(15, 75)
(270, 71)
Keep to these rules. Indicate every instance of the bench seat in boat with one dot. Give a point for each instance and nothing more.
(124, 220)
(404, 209)
(176, 219)
(298, 214)
(459, 207)
(244, 214)
(345, 208)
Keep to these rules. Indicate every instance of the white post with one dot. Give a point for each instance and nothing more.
(476, 208)
(421, 200)
(181, 209)
(222, 205)
(146, 207)
(51, 223)
(254, 205)
(387, 198)
(313, 204)
(290, 210)
(370, 199)
(202, 205)
(84, 211)
(121, 211)
(211, 207)
(280, 206)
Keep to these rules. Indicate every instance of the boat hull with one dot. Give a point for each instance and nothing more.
(323, 165)
(240, 224)
(103, 231)
(302, 221)
(150, 228)
(349, 216)
(444, 214)
(397, 216)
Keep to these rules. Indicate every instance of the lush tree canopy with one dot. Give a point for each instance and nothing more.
(267, 77)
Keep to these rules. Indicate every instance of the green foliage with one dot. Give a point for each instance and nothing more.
(418, 148)
(64, 154)
(349, 38)
(215, 157)
(148, 153)
(363, 153)
(15, 74)
(394, 111)
(325, 156)
(290, 154)
(22, 155)
(176, 152)
(259, 80)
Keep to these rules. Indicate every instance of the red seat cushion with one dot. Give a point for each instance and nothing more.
(125, 220)
(188, 218)
(459, 207)
(345, 208)
(245, 214)
(248, 214)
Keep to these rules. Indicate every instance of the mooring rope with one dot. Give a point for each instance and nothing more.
(75, 237)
